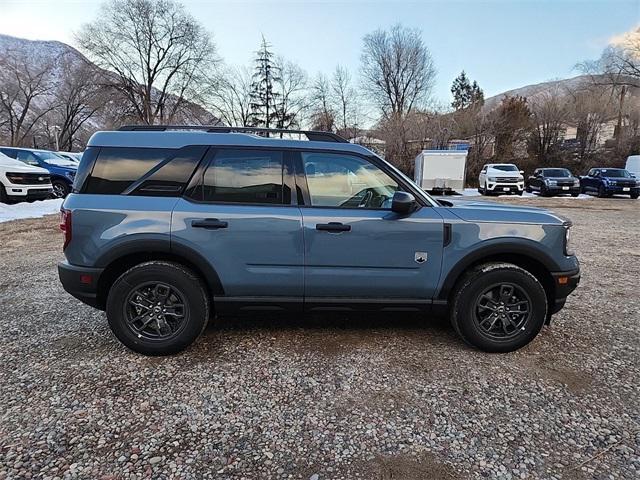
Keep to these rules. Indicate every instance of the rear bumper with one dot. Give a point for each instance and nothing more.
(81, 282)
(565, 283)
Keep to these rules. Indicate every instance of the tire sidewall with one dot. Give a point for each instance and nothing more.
(475, 284)
(174, 275)
(64, 186)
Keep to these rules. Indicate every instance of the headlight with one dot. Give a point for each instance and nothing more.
(576, 182)
(551, 182)
(568, 250)
(492, 179)
(71, 175)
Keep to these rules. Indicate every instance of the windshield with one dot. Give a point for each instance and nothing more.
(54, 159)
(505, 168)
(615, 173)
(557, 172)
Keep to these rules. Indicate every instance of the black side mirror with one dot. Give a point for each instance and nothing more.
(403, 203)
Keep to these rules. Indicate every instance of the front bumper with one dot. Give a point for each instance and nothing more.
(564, 284)
(29, 192)
(559, 190)
(620, 190)
(81, 282)
(505, 187)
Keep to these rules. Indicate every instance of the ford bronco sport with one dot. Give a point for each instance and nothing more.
(167, 225)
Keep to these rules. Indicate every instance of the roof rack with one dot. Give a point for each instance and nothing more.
(311, 135)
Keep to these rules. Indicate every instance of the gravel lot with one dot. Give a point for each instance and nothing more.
(324, 397)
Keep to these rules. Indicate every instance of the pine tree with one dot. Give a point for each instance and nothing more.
(264, 98)
(464, 93)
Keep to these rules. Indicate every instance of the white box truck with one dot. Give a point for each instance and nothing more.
(441, 171)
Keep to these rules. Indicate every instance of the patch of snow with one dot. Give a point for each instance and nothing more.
(22, 210)
(473, 192)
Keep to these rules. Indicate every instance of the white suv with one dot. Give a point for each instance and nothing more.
(19, 181)
(497, 178)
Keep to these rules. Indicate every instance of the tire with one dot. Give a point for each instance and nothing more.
(485, 190)
(60, 188)
(543, 191)
(520, 192)
(174, 285)
(602, 193)
(634, 196)
(3, 195)
(528, 189)
(468, 312)
(575, 194)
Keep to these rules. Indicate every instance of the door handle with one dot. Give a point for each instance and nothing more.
(209, 223)
(333, 227)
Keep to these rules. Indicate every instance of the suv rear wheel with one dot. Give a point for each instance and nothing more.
(158, 308)
(498, 307)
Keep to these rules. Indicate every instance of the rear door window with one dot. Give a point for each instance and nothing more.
(244, 176)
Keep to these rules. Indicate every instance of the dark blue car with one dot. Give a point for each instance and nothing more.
(605, 182)
(62, 170)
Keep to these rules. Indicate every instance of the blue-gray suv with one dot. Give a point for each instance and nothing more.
(166, 226)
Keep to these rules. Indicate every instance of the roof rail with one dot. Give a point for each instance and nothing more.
(311, 135)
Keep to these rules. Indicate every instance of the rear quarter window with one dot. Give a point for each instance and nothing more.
(138, 171)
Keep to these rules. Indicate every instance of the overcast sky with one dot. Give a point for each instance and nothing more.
(501, 44)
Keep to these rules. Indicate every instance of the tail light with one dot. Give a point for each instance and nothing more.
(65, 225)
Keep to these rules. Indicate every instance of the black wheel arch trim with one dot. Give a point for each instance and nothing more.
(149, 246)
(489, 252)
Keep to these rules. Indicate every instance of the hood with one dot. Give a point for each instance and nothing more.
(11, 165)
(496, 172)
(562, 179)
(482, 211)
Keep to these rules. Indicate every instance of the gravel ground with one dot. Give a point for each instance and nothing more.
(324, 397)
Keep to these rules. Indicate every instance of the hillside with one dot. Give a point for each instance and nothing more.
(531, 92)
(57, 54)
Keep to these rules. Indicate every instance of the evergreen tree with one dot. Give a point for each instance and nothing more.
(465, 94)
(264, 98)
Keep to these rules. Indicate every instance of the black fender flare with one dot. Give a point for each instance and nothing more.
(147, 245)
(521, 248)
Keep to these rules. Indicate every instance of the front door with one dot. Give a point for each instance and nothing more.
(356, 248)
(238, 217)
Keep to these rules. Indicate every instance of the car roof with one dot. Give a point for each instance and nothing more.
(179, 139)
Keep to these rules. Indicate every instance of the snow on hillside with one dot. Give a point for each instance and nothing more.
(22, 210)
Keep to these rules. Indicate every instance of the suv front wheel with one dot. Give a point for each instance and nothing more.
(158, 308)
(498, 307)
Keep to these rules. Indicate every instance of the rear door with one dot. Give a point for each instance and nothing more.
(356, 248)
(238, 215)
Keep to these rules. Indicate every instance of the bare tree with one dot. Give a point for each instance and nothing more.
(549, 115)
(159, 55)
(79, 97)
(25, 88)
(589, 108)
(230, 97)
(397, 70)
(347, 102)
(322, 113)
(290, 88)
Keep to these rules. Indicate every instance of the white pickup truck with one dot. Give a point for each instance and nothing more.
(19, 181)
(441, 171)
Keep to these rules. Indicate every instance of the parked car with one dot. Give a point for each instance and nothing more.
(62, 171)
(163, 228)
(633, 165)
(553, 181)
(71, 156)
(22, 182)
(605, 182)
(498, 178)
